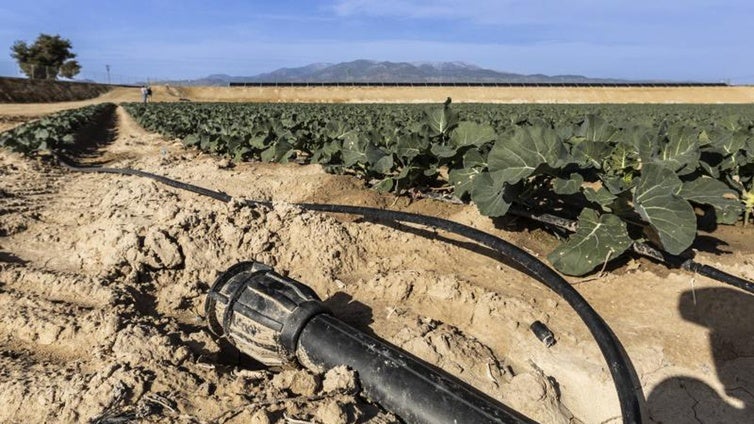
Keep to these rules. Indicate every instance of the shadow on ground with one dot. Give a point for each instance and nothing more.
(728, 314)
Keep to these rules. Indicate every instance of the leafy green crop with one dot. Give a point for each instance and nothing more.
(53, 131)
(628, 173)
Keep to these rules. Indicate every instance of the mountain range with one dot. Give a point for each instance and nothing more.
(376, 71)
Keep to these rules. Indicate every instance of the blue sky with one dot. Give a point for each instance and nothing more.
(639, 39)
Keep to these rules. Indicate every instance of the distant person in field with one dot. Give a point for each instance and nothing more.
(144, 94)
(149, 93)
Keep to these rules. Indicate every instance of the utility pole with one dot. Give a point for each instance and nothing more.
(107, 67)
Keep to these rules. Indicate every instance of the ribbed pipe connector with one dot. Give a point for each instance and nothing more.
(261, 312)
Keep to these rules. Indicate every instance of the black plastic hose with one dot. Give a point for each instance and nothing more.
(648, 251)
(280, 321)
(628, 387)
(719, 275)
(569, 225)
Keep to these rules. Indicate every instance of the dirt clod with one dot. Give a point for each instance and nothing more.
(299, 382)
(332, 412)
(340, 379)
(162, 251)
(260, 417)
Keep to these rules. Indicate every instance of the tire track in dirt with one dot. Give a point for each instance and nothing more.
(58, 286)
(27, 187)
(64, 314)
(66, 329)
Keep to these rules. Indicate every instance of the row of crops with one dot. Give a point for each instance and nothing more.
(56, 131)
(626, 173)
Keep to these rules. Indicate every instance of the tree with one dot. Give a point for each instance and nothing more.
(48, 58)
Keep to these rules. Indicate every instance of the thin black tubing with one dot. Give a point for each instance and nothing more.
(627, 384)
(650, 252)
(165, 180)
(719, 275)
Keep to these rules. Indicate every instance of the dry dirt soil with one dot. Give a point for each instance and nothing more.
(103, 279)
(703, 95)
(473, 94)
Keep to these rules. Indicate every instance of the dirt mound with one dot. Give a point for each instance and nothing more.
(15, 113)
(22, 90)
(103, 280)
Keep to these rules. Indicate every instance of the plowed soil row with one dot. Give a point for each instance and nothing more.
(103, 280)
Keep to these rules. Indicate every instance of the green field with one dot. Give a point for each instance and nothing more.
(617, 174)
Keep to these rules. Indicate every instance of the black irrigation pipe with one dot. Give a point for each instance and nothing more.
(717, 274)
(627, 384)
(644, 249)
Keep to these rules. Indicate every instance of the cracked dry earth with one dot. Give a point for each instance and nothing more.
(103, 280)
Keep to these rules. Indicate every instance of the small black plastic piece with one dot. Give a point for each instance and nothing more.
(543, 333)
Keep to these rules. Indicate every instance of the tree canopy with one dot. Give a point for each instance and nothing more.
(49, 57)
